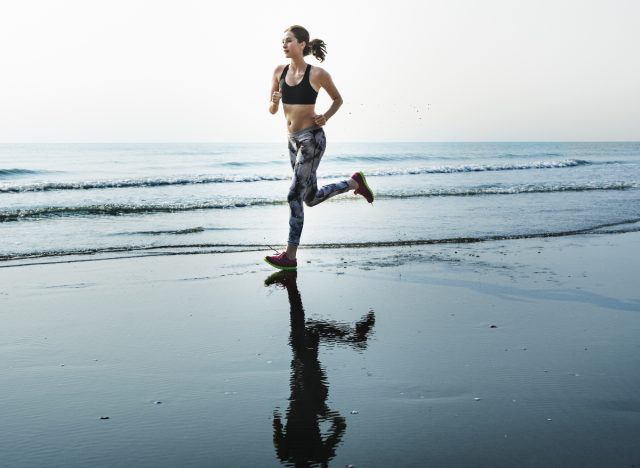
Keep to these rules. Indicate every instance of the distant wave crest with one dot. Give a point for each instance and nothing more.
(8, 173)
(221, 179)
(483, 167)
(133, 183)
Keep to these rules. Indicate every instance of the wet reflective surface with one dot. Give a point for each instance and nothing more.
(298, 437)
(236, 363)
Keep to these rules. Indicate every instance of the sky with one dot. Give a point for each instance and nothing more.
(200, 71)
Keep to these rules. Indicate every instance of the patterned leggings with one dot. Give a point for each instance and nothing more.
(306, 148)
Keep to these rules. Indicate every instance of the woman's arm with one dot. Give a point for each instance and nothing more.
(325, 81)
(276, 95)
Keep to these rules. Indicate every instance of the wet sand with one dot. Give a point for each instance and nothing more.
(497, 354)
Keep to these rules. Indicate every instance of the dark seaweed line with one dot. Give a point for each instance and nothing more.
(148, 251)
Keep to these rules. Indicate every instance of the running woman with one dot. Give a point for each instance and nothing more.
(297, 85)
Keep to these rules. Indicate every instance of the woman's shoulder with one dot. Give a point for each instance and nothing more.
(279, 69)
(318, 72)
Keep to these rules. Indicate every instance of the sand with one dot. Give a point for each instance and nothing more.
(499, 354)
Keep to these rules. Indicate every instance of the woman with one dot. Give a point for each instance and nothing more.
(297, 85)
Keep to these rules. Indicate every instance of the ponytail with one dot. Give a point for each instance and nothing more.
(318, 48)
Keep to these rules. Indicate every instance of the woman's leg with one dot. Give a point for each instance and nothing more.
(305, 151)
(313, 195)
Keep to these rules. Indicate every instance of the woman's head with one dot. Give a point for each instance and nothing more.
(315, 47)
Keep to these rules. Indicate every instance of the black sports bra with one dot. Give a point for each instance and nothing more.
(302, 93)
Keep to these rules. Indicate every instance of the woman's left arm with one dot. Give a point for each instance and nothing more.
(326, 82)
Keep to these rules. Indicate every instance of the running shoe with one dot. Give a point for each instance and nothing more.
(281, 261)
(363, 188)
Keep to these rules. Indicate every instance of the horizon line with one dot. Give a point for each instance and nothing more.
(228, 142)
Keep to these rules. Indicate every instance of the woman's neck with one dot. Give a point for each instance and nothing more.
(297, 64)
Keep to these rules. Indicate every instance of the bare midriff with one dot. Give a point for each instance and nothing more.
(299, 116)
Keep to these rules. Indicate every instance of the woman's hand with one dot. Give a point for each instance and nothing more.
(276, 96)
(319, 119)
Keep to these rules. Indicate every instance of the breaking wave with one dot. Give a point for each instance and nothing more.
(119, 209)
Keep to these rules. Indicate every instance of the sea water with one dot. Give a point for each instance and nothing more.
(142, 199)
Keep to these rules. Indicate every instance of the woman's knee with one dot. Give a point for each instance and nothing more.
(294, 198)
(311, 202)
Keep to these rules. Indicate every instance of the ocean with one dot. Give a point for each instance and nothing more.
(62, 200)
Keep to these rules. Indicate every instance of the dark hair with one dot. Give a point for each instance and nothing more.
(317, 47)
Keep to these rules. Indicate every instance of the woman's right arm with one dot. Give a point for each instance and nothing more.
(274, 103)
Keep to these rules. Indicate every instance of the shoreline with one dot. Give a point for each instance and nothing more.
(226, 248)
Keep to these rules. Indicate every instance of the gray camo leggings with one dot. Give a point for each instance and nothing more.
(306, 148)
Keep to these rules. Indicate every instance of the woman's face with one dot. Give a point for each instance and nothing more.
(291, 46)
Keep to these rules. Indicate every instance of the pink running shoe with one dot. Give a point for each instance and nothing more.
(363, 188)
(281, 261)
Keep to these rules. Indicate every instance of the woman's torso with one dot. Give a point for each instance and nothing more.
(298, 115)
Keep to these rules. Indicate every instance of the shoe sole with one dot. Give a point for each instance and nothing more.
(280, 267)
(364, 181)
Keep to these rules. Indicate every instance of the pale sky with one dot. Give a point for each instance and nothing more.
(200, 71)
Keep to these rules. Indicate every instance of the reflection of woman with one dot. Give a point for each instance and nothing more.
(297, 85)
(301, 441)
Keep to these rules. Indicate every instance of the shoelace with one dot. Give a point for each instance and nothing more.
(273, 249)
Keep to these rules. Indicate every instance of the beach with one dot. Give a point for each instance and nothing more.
(471, 301)
(497, 353)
